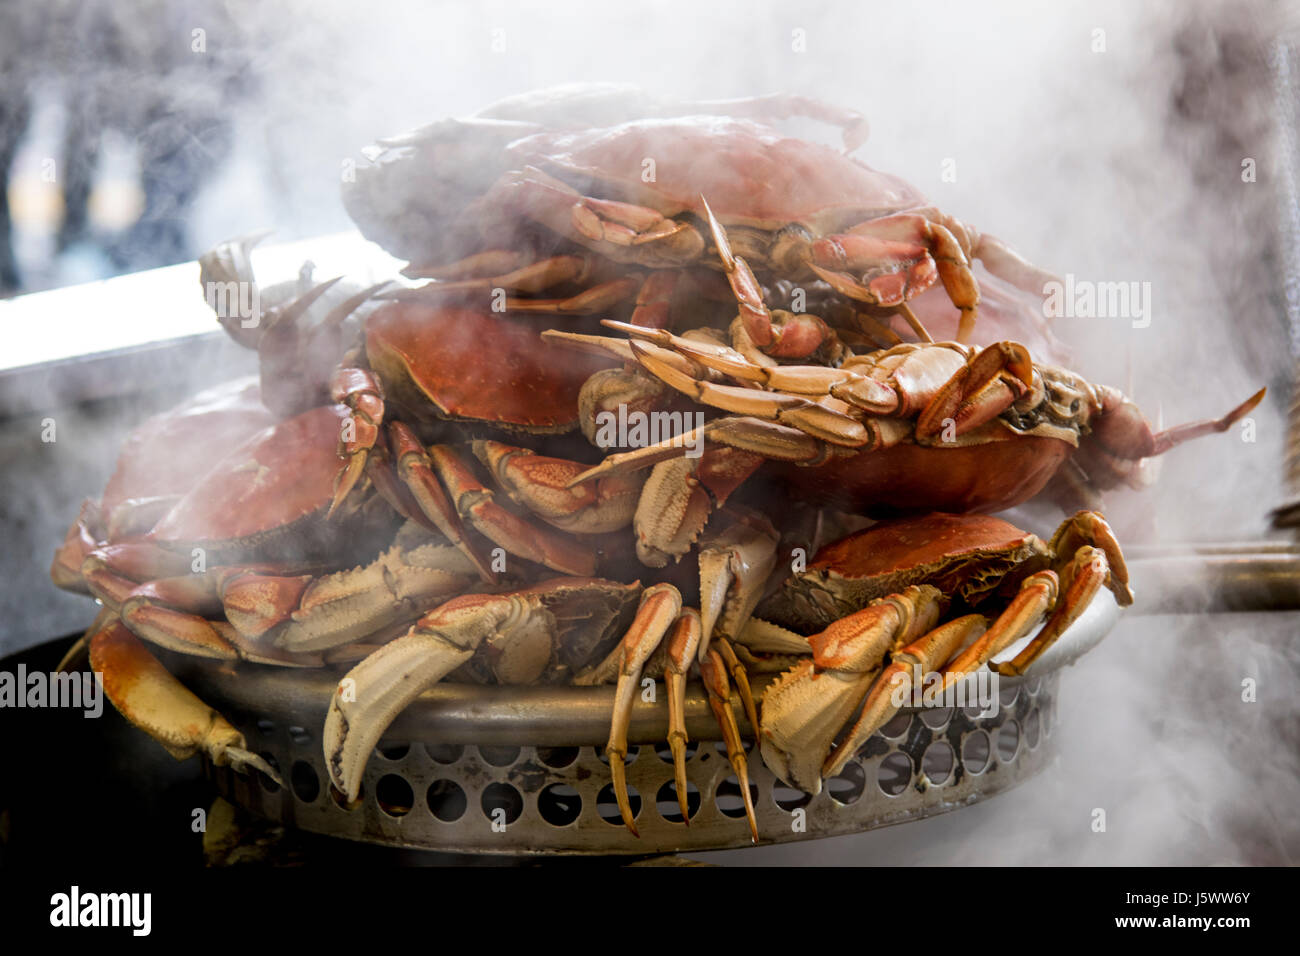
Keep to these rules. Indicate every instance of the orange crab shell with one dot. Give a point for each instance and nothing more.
(967, 557)
(750, 173)
(168, 453)
(467, 364)
(267, 495)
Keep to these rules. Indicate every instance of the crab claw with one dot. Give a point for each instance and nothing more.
(230, 262)
(807, 706)
(734, 566)
(714, 672)
(660, 607)
(517, 636)
(379, 688)
(147, 695)
(541, 484)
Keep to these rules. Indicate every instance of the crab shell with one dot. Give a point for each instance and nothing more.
(160, 461)
(269, 496)
(165, 455)
(750, 173)
(967, 557)
(460, 363)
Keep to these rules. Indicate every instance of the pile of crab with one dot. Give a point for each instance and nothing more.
(420, 485)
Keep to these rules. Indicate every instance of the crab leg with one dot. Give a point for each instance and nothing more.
(763, 438)
(980, 391)
(682, 645)
(477, 503)
(714, 673)
(417, 474)
(660, 607)
(619, 231)
(360, 391)
(1037, 596)
(734, 566)
(541, 484)
(907, 670)
(806, 707)
(148, 696)
(820, 419)
(1081, 580)
(899, 257)
(741, 677)
(1088, 559)
(779, 334)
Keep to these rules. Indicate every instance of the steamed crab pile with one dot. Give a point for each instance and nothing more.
(418, 486)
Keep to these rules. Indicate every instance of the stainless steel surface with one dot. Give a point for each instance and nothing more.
(405, 793)
(103, 339)
(483, 749)
(1216, 581)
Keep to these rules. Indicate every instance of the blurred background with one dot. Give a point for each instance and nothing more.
(1117, 142)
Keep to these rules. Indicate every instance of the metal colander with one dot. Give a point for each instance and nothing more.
(511, 770)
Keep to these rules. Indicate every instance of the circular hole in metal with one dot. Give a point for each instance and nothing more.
(342, 803)
(557, 757)
(393, 751)
(730, 800)
(607, 804)
(665, 753)
(394, 795)
(847, 787)
(1031, 729)
(303, 780)
(1034, 685)
(972, 711)
(788, 798)
(1007, 696)
(937, 761)
(300, 735)
(667, 805)
(559, 804)
(975, 752)
(1048, 718)
(269, 785)
(1008, 741)
(896, 726)
(444, 753)
(936, 717)
(631, 755)
(267, 727)
(447, 801)
(501, 803)
(499, 756)
(894, 774)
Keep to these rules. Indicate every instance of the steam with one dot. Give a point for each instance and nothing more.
(1119, 164)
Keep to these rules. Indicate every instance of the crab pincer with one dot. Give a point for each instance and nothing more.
(148, 696)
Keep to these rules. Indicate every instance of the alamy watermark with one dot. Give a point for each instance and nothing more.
(979, 689)
(75, 908)
(635, 429)
(78, 691)
(1085, 299)
(239, 300)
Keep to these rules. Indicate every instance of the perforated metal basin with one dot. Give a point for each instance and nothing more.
(518, 770)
